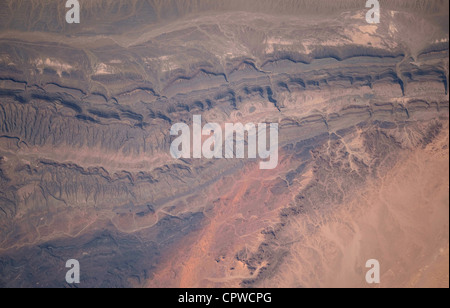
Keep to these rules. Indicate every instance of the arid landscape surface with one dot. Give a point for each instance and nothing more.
(85, 166)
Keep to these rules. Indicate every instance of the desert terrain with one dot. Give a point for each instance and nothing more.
(85, 166)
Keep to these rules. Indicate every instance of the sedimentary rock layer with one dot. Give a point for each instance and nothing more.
(85, 165)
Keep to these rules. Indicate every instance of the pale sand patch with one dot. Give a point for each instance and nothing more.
(401, 220)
